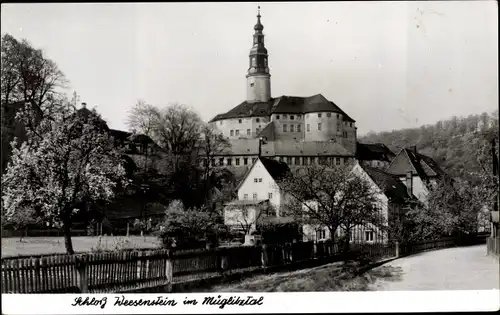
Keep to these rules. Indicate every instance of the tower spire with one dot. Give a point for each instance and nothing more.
(258, 77)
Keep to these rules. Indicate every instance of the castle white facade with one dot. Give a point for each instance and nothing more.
(297, 130)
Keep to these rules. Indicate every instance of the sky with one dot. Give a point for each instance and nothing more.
(388, 65)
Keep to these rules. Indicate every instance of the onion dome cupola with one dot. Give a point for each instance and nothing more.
(258, 54)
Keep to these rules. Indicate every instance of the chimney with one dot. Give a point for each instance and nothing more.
(84, 105)
(409, 183)
(260, 146)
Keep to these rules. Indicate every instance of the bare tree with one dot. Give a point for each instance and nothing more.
(333, 197)
(245, 216)
(143, 118)
(211, 144)
(28, 76)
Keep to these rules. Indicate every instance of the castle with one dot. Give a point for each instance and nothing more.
(293, 129)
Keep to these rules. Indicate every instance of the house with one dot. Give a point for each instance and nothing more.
(261, 182)
(260, 196)
(416, 169)
(376, 155)
(394, 197)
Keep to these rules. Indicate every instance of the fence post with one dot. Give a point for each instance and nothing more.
(169, 270)
(82, 268)
(264, 258)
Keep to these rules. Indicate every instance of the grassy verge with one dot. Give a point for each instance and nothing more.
(332, 277)
(50, 245)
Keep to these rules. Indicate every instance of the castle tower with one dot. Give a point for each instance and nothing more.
(258, 77)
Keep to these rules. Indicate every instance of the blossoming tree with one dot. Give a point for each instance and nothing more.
(67, 160)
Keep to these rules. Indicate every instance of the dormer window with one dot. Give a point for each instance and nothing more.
(277, 117)
(292, 117)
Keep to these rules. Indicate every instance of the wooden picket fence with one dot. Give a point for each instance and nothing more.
(127, 271)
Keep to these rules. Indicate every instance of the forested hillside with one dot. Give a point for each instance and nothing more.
(457, 144)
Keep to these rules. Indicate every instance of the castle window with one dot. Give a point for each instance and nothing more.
(319, 126)
(298, 116)
(304, 160)
(221, 161)
(239, 121)
(229, 161)
(337, 161)
(245, 161)
(328, 115)
(237, 161)
(297, 160)
(284, 116)
(237, 132)
(291, 128)
(292, 117)
(298, 128)
(319, 115)
(289, 160)
(277, 117)
(308, 127)
(231, 133)
(257, 119)
(254, 196)
(270, 195)
(284, 127)
(338, 115)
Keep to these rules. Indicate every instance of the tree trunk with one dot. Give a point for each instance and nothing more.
(346, 242)
(67, 238)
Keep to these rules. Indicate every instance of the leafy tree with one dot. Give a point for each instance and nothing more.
(67, 161)
(334, 197)
(185, 225)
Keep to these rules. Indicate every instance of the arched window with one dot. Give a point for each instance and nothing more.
(254, 62)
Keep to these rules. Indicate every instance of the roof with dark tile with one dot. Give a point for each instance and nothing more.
(423, 165)
(284, 104)
(374, 151)
(278, 170)
(286, 148)
(393, 188)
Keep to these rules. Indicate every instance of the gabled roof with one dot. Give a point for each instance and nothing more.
(392, 187)
(373, 151)
(424, 166)
(284, 104)
(276, 169)
(268, 132)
